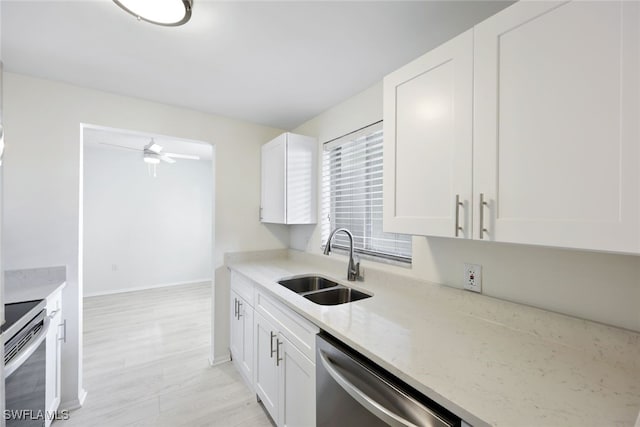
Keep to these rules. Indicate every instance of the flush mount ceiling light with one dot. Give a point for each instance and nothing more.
(170, 13)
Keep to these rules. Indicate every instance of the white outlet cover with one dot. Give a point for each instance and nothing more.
(473, 277)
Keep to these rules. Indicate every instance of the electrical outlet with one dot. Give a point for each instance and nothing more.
(473, 277)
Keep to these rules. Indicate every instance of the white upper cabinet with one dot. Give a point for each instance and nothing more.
(289, 171)
(428, 142)
(556, 125)
(532, 118)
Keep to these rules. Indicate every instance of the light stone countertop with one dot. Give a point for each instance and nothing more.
(32, 284)
(489, 361)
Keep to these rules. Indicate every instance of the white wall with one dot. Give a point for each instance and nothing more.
(143, 231)
(595, 286)
(42, 185)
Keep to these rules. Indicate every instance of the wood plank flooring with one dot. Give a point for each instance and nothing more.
(145, 364)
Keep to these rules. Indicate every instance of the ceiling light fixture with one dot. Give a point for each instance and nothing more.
(153, 159)
(169, 13)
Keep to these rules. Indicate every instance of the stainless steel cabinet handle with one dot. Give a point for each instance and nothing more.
(64, 331)
(458, 204)
(239, 313)
(53, 314)
(483, 204)
(278, 358)
(366, 401)
(272, 350)
(235, 308)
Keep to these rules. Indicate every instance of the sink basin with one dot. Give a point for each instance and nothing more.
(336, 296)
(307, 284)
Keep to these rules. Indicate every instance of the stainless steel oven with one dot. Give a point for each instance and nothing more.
(353, 391)
(25, 364)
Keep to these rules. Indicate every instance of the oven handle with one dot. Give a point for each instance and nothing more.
(26, 352)
(367, 402)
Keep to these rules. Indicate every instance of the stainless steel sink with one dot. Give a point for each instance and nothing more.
(335, 296)
(321, 290)
(307, 283)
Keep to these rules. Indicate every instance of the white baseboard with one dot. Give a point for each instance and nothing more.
(75, 403)
(142, 288)
(219, 360)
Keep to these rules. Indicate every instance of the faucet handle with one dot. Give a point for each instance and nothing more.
(359, 271)
(355, 273)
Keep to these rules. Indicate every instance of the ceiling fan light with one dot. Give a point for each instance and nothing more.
(161, 12)
(153, 160)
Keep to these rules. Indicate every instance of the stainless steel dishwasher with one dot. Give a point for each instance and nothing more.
(353, 391)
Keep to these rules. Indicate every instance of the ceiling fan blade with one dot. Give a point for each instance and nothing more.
(166, 158)
(153, 147)
(120, 146)
(182, 156)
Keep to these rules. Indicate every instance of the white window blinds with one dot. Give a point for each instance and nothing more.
(352, 195)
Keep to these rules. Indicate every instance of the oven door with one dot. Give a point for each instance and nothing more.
(25, 375)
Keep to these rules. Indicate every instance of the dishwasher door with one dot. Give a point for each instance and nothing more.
(352, 391)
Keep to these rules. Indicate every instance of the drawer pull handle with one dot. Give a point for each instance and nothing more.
(483, 204)
(458, 204)
(272, 350)
(278, 358)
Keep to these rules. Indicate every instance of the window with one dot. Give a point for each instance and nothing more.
(352, 195)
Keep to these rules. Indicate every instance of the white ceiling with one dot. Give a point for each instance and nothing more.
(272, 63)
(99, 138)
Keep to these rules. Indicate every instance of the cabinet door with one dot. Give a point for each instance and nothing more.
(266, 371)
(273, 205)
(301, 179)
(246, 351)
(556, 142)
(297, 387)
(53, 344)
(235, 328)
(428, 142)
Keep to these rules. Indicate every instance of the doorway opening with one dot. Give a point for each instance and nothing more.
(147, 235)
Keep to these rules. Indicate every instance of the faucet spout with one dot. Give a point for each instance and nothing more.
(353, 269)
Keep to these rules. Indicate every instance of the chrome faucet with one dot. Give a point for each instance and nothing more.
(353, 269)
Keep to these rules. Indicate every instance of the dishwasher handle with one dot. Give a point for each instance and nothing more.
(361, 397)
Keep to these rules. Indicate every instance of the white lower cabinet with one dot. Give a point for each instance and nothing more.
(56, 335)
(241, 326)
(266, 366)
(284, 377)
(241, 337)
(297, 386)
(278, 350)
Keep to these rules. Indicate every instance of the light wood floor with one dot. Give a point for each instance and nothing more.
(145, 364)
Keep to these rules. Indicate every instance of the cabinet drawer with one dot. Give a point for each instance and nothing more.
(297, 329)
(243, 287)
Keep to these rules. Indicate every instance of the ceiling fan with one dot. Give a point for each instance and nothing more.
(152, 154)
